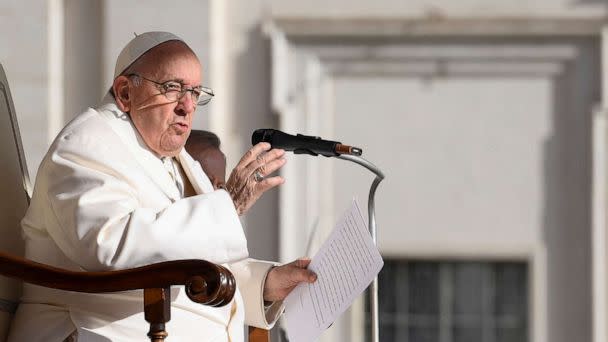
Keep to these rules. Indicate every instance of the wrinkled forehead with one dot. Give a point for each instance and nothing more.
(172, 60)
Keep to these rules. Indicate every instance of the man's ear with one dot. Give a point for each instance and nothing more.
(122, 93)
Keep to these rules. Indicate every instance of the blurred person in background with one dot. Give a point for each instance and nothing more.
(204, 147)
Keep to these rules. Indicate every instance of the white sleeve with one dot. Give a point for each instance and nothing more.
(94, 215)
(250, 277)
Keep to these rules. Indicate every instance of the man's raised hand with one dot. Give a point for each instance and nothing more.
(249, 179)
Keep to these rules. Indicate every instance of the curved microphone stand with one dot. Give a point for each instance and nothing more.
(373, 294)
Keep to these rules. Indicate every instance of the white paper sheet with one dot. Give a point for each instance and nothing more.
(345, 265)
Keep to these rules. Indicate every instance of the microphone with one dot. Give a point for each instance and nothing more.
(302, 144)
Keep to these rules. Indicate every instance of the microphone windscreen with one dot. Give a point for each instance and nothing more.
(262, 134)
(257, 136)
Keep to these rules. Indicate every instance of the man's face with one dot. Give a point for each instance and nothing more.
(165, 125)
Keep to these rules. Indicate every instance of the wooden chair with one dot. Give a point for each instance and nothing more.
(204, 282)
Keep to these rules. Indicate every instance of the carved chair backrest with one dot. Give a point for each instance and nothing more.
(14, 199)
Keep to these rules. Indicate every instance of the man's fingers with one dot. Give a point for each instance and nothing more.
(254, 152)
(264, 162)
(243, 186)
(281, 280)
(302, 273)
(271, 167)
(302, 262)
(269, 183)
(305, 275)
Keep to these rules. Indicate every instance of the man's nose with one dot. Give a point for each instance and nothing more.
(185, 105)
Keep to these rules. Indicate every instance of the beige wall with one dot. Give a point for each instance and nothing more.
(24, 53)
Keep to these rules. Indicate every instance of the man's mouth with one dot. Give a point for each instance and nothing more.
(181, 127)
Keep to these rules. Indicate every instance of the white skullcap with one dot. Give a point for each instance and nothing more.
(140, 45)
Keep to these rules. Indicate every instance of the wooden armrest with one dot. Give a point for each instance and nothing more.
(205, 282)
(258, 335)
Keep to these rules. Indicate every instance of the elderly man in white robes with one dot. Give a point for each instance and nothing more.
(117, 190)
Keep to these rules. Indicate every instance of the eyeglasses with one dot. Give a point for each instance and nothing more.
(174, 91)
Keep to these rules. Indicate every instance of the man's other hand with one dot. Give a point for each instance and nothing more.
(249, 179)
(282, 279)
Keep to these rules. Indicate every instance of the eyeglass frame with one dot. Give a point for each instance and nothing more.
(161, 87)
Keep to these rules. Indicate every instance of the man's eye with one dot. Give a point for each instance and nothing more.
(172, 86)
(196, 93)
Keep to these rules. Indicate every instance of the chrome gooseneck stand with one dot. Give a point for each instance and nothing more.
(373, 294)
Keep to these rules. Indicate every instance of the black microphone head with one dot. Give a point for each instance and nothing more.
(262, 134)
(299, 144)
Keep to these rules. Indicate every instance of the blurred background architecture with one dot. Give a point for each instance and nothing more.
(488, 117)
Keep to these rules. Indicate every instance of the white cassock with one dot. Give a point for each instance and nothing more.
(104, 201)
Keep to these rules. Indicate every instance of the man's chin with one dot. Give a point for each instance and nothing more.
(172, 149)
